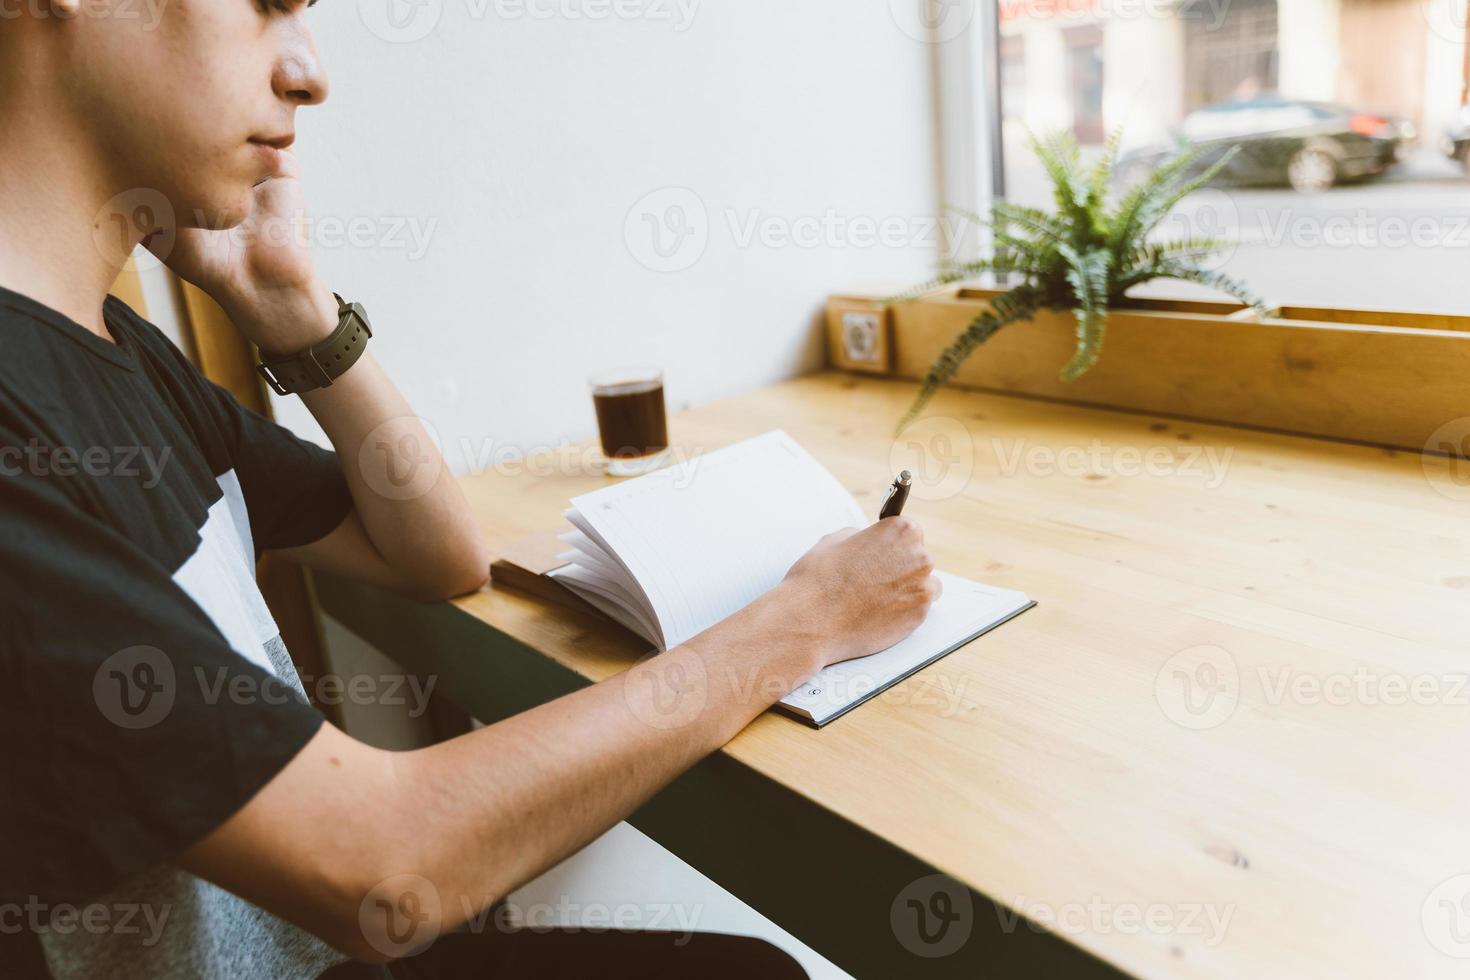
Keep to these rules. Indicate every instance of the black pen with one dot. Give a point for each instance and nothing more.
(898, 495)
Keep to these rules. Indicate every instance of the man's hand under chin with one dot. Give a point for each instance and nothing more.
(423, 540)
(260, 271)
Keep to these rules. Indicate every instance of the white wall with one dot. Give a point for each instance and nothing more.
(519, 137)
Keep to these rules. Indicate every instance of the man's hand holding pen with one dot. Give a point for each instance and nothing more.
(867, 588)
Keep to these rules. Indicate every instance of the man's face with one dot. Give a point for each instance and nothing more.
(189, 102)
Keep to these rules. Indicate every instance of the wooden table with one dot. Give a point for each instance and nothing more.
(1233, 740)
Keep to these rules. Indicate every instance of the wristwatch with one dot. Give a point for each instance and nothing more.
(317, 367)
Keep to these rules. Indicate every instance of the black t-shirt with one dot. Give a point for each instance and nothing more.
(140, 674)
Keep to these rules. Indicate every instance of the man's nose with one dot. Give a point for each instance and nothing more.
(300, 77)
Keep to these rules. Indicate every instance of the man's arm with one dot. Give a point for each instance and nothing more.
(346, 833)
(411, 529)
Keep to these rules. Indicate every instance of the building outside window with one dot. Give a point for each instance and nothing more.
(1350, 187)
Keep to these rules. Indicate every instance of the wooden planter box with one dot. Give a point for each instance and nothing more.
(1392, 379)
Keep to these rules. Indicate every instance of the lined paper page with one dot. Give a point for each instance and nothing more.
(707, 536)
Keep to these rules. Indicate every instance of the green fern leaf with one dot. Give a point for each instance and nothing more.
(1087, 273)
(1019, 303)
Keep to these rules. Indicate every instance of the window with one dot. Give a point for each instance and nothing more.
(1350, 187)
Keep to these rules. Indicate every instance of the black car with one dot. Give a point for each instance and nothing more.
(1308, 145)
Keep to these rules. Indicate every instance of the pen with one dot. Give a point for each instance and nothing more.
(898, 495)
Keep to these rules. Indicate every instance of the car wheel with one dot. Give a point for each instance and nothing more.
(1311, 171)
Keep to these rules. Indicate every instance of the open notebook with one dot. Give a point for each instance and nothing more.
(672, 553)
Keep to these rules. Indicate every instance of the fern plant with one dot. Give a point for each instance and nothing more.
(1084, 257)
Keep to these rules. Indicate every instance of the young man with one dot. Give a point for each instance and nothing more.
(228, 835)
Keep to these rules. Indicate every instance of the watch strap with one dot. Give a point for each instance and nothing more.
(318, 366)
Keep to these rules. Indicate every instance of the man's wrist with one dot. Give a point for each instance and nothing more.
(286, 322)
(788, 627)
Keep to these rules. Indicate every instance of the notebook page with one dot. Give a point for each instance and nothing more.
(609, 584)
(630, 584)
(608, 600)
(585, 552)
(964, 610)
(707, 536)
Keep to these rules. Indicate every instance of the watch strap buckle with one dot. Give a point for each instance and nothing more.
(308, 370)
